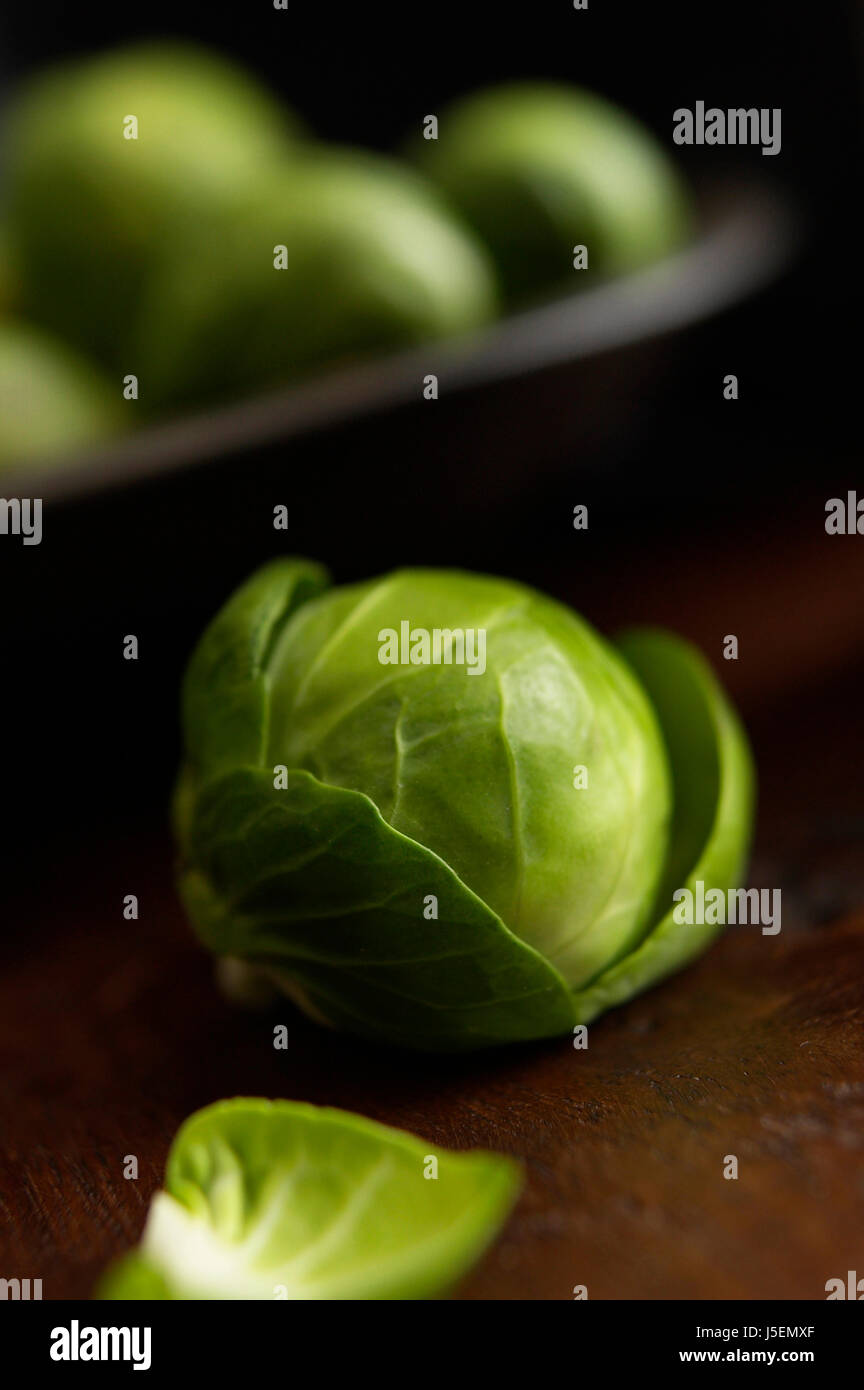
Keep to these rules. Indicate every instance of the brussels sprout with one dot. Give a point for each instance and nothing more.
(539, 169)
(51, 401)
(92, 211)
(372, 261)
(405, 847)
(274, 1199)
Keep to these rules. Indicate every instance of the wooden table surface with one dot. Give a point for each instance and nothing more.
(111, 1032)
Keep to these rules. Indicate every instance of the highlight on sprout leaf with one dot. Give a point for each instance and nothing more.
(337, 780)
(282, 1200)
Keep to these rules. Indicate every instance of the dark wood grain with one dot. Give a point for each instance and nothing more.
(111, 1032)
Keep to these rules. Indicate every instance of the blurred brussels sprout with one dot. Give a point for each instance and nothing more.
(52, 402)
(539, 169)
(91, 210)
(372, 261)
(457, 850)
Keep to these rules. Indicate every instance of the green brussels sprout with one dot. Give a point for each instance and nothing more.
(91, 211)
(539, 169)
(372, 261)
(52, 402)
(452, 841)
(280, 1200)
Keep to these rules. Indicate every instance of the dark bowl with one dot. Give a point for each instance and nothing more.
(748, 234)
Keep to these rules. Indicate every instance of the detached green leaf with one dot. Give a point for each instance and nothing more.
(280, 1200)
(133, 1278)
(712, 774)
